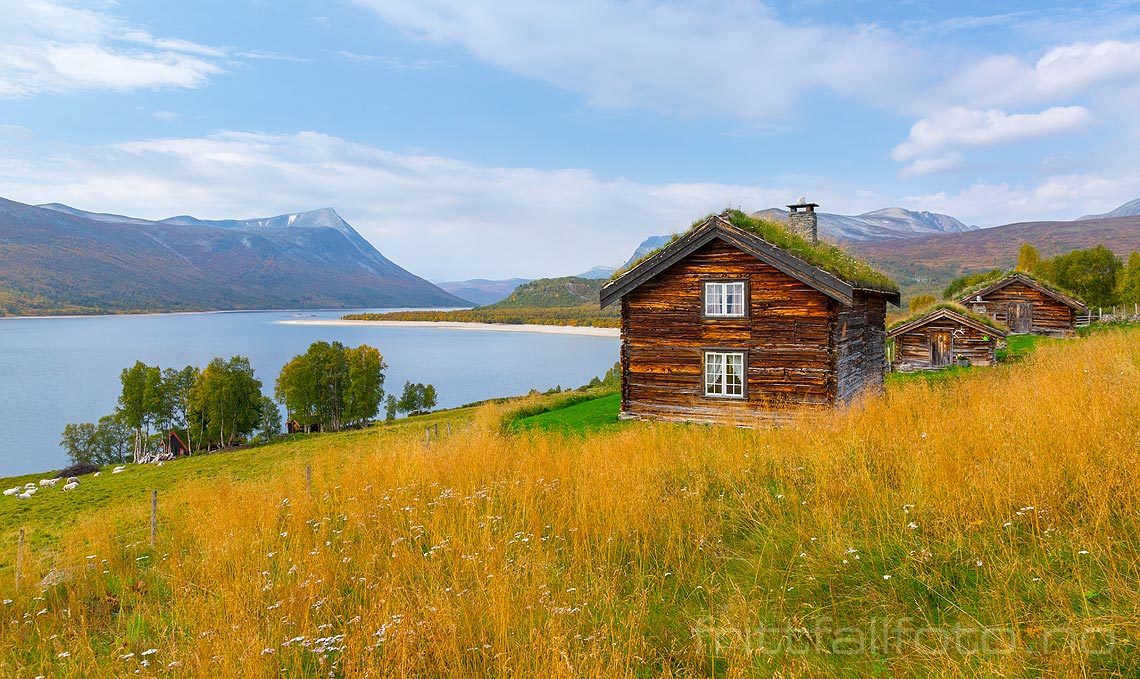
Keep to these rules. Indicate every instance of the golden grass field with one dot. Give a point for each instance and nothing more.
(987, 526)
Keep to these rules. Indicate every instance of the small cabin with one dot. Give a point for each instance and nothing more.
(292, 426)
(741, 320)
(1026, 305)
(176, 445)
(944, 336)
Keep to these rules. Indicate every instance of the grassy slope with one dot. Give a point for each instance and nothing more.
(52, 512)
(585, 417)
(631, 551)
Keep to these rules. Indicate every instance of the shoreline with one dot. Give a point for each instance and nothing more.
(586, 330)
(202, 312)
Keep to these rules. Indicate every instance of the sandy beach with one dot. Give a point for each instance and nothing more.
(453, 325)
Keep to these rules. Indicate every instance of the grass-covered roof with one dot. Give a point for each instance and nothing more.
(825, 256)
(950, 306)
(993, 277)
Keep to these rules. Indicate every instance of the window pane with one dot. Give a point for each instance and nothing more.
(714, 371)
(714, 299)
(734, 374)
(735, 299)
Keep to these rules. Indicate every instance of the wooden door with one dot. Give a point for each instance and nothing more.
(941, 351)
(1020, 317)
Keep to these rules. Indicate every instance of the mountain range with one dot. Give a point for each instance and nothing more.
(927, 263)
(55, 258)
(481, 291)
(886, 224)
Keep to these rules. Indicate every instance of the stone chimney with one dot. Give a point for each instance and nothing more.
(802, 220)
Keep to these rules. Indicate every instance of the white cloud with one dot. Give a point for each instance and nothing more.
(1061, 72)
(715, 57)
(50, 47)
(440, 217)
(1063, 196)
(391, 63)
(934, 140)
(943, 163)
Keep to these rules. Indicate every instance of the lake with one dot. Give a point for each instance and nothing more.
(59, 370)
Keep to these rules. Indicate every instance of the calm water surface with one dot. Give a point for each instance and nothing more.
(59, 370)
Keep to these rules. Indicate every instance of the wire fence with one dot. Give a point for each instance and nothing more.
(1122, 313)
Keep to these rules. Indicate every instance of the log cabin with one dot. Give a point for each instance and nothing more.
(292, 426)
(946, 335)
(175, 445)
(742, 321)
(1026, 305)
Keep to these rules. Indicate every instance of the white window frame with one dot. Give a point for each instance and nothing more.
(716, 299)
(716, 382)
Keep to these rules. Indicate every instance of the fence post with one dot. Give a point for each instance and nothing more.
(309, 479)
(19, 557)
(427, 436)
(153, 516)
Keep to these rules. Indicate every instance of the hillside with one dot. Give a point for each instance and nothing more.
(929, 262)
(57, 259)
(929, 529)
(567, 291)
(569, 300)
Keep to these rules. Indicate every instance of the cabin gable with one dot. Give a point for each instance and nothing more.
(945, 335)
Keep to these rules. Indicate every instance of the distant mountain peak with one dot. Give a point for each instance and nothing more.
(1129, 209)
(309, 258)
(887, 223)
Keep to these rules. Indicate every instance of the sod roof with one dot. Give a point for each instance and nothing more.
(825, 256)
(918, 318)
(997, 282)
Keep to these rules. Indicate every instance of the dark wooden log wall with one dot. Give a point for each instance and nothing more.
(860, 346)
(1050, 317)
(790, 338)
(912, 348)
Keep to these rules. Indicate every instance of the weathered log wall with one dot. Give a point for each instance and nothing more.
(912, 348)
(1050, 317)
(859, 338)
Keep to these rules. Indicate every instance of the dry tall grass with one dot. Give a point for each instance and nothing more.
(986, 528)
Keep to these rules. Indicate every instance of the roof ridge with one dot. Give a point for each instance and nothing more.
(835, 284)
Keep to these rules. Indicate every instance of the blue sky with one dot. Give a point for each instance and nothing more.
(501, 138)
